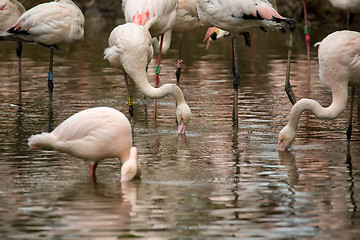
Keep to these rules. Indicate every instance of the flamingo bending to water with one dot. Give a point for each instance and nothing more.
(158, 16)
(240, 16)
(94, 134)
(339, 67)
(130, 49)
(51, 24)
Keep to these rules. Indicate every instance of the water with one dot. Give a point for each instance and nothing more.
(217, 183)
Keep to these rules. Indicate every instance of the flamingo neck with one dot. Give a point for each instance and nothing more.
(142, 82)
(337, 106)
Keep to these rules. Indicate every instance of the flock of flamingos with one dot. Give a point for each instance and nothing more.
(102, 132)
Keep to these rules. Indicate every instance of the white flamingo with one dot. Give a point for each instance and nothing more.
(10, 11)
(240, 16)
(339, 67)
(158, 16)
(130, 49)
(51, 24)
(93, 135)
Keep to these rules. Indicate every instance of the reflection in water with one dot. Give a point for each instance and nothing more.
(218, 181)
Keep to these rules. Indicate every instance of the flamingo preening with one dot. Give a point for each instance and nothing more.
(94, 134)
(339, 67)
(130, 49)
(240, 16)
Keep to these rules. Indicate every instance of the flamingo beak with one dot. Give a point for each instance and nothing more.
(31, 148)
(281, 146)
(181, 128)
(208, 34)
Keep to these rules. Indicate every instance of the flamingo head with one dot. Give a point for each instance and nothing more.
(286, 138)
(183, 114)
(131, 168)
(213, 34)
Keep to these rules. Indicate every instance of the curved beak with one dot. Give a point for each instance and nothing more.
(208, 34)
(181, 128)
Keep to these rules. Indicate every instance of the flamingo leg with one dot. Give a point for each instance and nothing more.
(93, 170)
(307, 35)
(130, 98)
(178, 70)
(349, 129)
(288, 87)
(236, 81)
(18, 54)
(157, 69)
(50, 75)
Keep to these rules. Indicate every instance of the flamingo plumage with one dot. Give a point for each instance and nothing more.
(93, 135)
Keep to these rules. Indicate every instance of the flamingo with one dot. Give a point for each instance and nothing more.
(51, 24)
(158, 16)
(351, 6)
(94, 134)
(339, 67)
(240, 16)
(130, 49)
(10, 11)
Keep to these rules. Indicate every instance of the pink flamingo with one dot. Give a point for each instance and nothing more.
(93, 135)
(130, 49)
(51, 24)
(240, 16)
(339, 67)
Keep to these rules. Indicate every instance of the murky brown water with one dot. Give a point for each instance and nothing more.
(217, 183)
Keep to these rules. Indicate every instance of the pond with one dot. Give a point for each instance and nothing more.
(218, 182)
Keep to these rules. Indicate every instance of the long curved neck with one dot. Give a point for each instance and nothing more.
(337, 106)
(142, 82)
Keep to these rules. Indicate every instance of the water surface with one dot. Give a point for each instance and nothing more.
(218, 182)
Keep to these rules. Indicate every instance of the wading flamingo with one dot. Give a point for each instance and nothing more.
(240, 16)
(130, 49)
(339, 67)
(158, 16)
(10, 11)
(51, 24)
(94, 134)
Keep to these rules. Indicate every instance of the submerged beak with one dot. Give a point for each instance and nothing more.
(281, 146)
(181, 128)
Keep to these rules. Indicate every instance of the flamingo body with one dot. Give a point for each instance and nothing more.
(239, 16)
(10, 11)
(53, 23)
(130, 49)
(186, 16)
(158, 16)
(339, 67)
(93, 134)
(347, 5)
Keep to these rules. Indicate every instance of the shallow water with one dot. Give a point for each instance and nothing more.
(218, 182)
